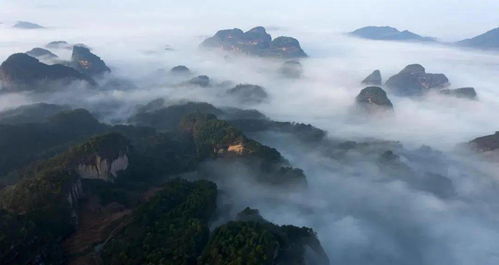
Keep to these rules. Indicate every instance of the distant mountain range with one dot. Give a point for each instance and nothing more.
(388, 33)
(485, 41)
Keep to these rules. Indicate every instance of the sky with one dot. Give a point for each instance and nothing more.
(448, 20)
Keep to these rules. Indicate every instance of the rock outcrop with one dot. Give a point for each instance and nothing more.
(23, 72)
(388, 33)
(103, 168)
(285, 47)
(215, 138)
(486, 143)
(102, 157)
(414, 81)
(180, 70)
(41, 53)
(373, 99)
(464, 92)
(55, 185)
(246, 93)
(250, 215)
(201, 80)
(88, 63)
(250, 42)
(374, 79)
(255, 42)
(291, 69)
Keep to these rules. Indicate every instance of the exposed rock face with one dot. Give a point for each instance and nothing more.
(374, 79)
(464, 92)
(101, 158)
(108, 153)
(291, 69)
(54, 187)
(88, 63)
(201, 80)
(255, 42)
(246, 93)
(487, 41)
(74, 194)
(258, 37)
(286, 47)
(388, 33)
(102, 168)
(180, 69)
(486, 143)
(58, 45)
(23, 72)
(27, 25)
(226, 39)
(414, 81)
(237, 148)
(373, 99)
(41, 53)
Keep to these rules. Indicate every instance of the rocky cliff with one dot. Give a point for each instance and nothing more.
(255, 42)
(23, 72)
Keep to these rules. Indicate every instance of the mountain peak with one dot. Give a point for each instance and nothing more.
(88, 63)
(388, 33)
(23, 72)
(255, 41)
(487, 41)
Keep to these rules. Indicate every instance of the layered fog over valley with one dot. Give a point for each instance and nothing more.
(221, 132)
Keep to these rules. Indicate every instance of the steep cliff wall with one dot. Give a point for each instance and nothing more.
(103, 168)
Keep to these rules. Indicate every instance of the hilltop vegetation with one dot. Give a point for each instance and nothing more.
(169, 229)
(53, 190)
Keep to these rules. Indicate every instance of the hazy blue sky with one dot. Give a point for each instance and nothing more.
(447, 19)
